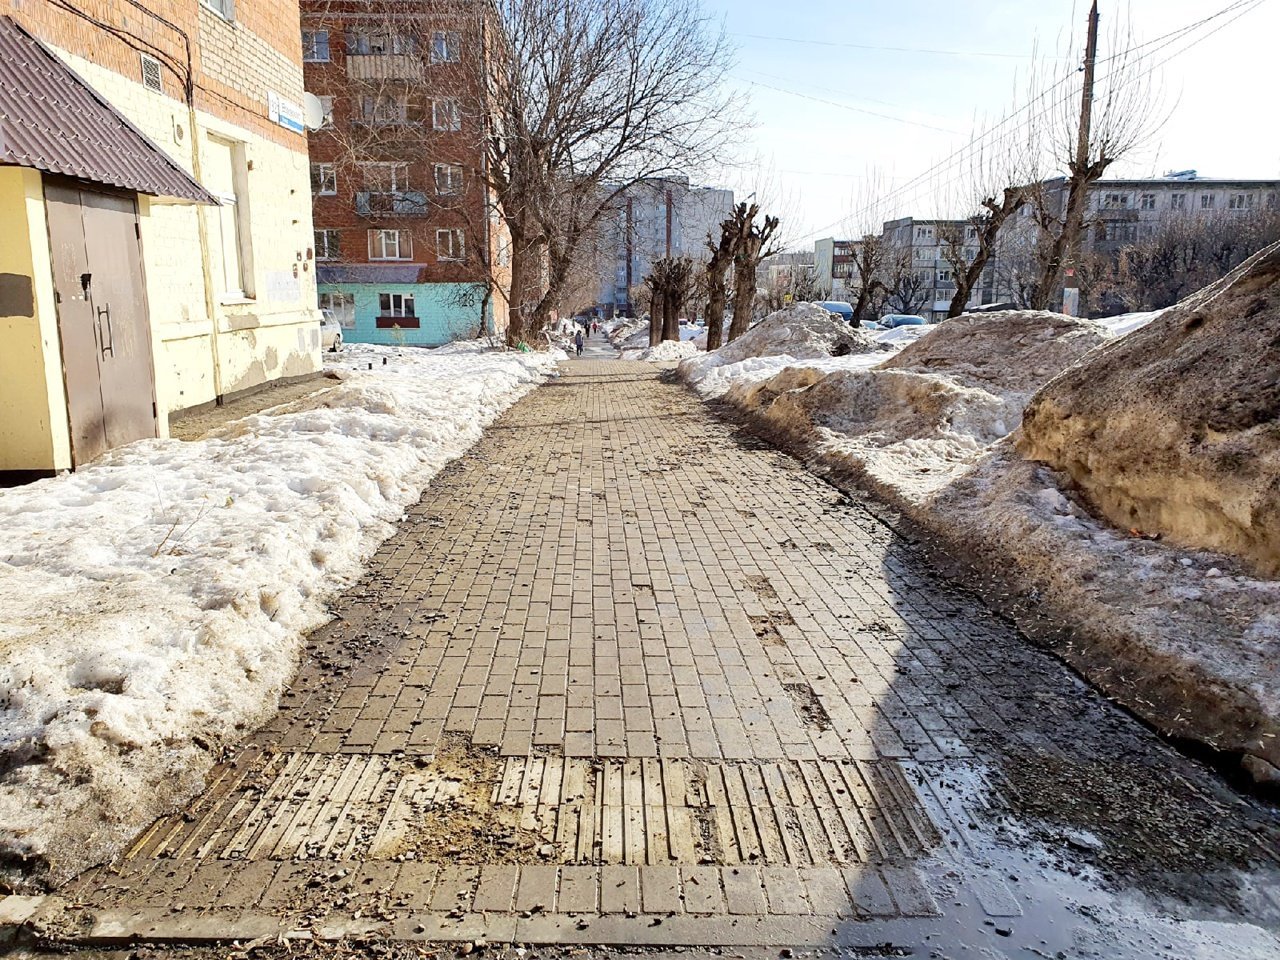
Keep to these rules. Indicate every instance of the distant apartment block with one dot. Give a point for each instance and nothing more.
(1118, 213)
(664, 217)
(409, 248)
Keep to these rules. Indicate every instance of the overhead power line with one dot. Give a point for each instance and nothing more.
(887, 49)
(843, 106)
(1239, 7)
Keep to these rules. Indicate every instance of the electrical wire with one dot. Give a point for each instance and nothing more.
(1165, 41)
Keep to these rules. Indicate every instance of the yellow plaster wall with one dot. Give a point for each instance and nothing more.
(34, 434)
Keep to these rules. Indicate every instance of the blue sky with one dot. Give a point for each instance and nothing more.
(814, 160)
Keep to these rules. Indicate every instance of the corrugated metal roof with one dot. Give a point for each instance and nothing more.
(52, 120)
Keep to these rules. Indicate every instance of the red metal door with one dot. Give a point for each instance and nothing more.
(102, 318)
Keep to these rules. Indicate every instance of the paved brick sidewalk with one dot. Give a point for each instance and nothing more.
(626, 676)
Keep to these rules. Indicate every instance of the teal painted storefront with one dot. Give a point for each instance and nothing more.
(444, 312)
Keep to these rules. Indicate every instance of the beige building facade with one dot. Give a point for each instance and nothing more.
(227, 295)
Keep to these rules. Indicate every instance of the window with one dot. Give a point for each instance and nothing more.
(1148, 201)
(226, 9)
(449, 244)
(327, 244)
(924, 233)
(1241, 201)
(445, 46)
(385, 177)
(226, 177)
(396, 305)
(1120, 232)
(1115, 201)
(446, 115)
(315, 46)
(390, 245)
(324, 179)
(326, 111)
(384, 108)
(1206, 201)
(1177, 201)
(341, 306)
(1273, 201)
(971, 233)
(448, 179)
(379, 43)
(944, 276)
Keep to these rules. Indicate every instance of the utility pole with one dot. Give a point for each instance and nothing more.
(1076, 199)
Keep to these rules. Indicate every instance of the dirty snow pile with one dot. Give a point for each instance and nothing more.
(802, 332)
(153, 604)
(630, 334)
(1187, 638)
(666, 351)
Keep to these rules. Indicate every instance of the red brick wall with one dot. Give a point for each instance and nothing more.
(350, 143)
(234, 64)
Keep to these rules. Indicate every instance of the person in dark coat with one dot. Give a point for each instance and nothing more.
(577, 342)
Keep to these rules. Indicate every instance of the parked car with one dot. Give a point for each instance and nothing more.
(891, 320)
(330, 332)
(841, 309)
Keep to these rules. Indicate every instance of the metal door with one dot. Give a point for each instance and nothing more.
(102, 319)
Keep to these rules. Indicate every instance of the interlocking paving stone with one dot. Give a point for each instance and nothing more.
(683, 691)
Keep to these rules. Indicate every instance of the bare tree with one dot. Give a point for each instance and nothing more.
(1117, 112)
(906, 290)
(581, 99)
(717, 270)
(1182, 255)
(750, 248)
(671, 282)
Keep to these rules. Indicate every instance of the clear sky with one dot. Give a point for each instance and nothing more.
(891, 114)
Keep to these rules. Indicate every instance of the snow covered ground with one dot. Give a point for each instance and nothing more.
(152, 605)
(1185, 638)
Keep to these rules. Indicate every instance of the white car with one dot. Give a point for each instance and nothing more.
(330, 332)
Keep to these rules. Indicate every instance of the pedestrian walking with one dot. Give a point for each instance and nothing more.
(577, 342)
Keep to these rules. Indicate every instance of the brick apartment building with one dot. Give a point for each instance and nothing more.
(154, 192)
(408, 246)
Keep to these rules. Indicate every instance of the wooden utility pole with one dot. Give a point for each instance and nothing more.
(1076, 200)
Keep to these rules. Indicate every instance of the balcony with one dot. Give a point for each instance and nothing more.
(397, 204)
(384, 66)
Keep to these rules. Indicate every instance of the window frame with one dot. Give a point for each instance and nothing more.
(456, 188)
(376, 118)
(378, 236)
(407, 307)
(348, 298)
(456, 115)
(315, 36)
(226, 9)
(1177, 201)
(332, 251)
(396, 184)
(455, 235)
(360, 43)
(1208, 201)
(318, 182)
(1147, 201)
(446, 36)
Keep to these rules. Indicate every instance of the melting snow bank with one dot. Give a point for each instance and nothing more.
(152, 605)
(666, 351)
(1184, 638)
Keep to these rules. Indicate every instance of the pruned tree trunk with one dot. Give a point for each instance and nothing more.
(657, 318)
(749, 251)
(717, 282)
(968, 273)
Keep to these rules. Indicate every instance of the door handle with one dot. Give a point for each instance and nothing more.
(107, 338)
